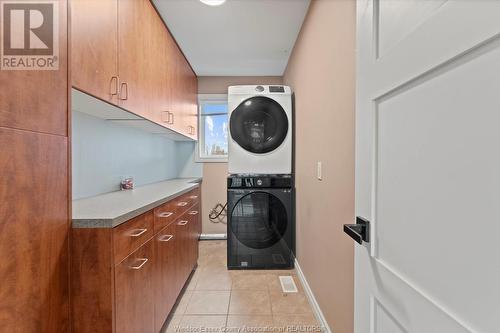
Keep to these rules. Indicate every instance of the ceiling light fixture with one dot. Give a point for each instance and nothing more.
(213, 2)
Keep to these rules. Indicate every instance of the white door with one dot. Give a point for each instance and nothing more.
(428, 166)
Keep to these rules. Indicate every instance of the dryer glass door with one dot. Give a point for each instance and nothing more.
(259, 220)
(259, 124)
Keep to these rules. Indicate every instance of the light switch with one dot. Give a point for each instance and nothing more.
(320, 171)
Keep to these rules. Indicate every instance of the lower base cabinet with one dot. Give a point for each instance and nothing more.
(137, 293)
(134, 291)
(167, 282)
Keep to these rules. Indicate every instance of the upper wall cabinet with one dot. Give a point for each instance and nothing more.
(94, 56)
(135, 65)
(136, 56)
(35, 99)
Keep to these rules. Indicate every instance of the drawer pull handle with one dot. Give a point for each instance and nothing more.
(143, 262)
(193, 197)
(182, 204)
(193, 212)
(138, 232)
(183, 222)
(165, 214)
(165, 238)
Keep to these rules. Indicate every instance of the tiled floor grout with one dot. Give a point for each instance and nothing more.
(212, 260)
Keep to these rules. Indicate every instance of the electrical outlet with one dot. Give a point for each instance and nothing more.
(320, 170)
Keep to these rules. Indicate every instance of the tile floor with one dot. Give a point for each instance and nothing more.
(218, 300)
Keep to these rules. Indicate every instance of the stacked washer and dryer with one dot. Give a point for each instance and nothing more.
(261, 199)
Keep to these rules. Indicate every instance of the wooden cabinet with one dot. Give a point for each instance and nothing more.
(167, 281)
(135, 54)
(129, 236)
(94, 58)
(136, 66)
(127, 279)
(37, 100)
(34, 195)
(34, 228)
(189, 101)
(134, 291)
(194, 220)
(183, 233)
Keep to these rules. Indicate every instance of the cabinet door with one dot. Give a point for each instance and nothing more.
(166, 252)
(94, 45)
(192, 114)
(175, 84)
(168, 113)
(135, 39)
(157, 69)
(134, 291)
(185, 109)
(195, 227)
(34, 224)
(37, 100)
(183, 264)
(188, 100)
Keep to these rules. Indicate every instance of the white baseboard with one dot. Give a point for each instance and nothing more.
(312, 300)
(213, 236)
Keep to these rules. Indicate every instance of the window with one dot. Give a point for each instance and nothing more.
(212, 140)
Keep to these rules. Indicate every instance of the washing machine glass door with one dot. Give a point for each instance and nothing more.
(259, 124)
(259, 220)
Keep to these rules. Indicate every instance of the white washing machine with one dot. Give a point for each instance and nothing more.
(260, 129)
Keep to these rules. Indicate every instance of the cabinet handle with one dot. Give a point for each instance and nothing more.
(193, 212)
(165, 238)
(143, 262)
(138, 232)
(193, 197)
(183, 222)
(165, 214)
(182, 204)
(114, 79)
(167, 120)
(124, 87)
(171, 122)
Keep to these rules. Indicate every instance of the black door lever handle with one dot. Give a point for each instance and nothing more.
(360, 231)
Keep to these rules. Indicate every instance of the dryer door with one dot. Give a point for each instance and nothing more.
(259, 220)
(259, 124)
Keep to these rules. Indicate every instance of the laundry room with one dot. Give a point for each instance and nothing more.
(195, 166)
(249, 166)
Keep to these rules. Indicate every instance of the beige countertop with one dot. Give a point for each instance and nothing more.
(111, 209)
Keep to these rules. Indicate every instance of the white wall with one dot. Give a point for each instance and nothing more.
(103, 152)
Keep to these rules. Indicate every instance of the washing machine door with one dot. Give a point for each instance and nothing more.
(259, 220)
(259, 124)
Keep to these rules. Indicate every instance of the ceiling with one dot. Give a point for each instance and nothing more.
(238, 38)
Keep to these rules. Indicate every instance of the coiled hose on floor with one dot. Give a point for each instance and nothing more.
(218, 213)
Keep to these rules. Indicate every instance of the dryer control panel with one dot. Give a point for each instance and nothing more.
(259, 181)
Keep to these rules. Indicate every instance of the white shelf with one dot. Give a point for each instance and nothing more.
(90, 105)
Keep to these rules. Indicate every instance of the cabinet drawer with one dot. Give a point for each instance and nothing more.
(194, 196)
(134, 291)
(164, 215)
(194, 213)
(187, 200)
(130, 235)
